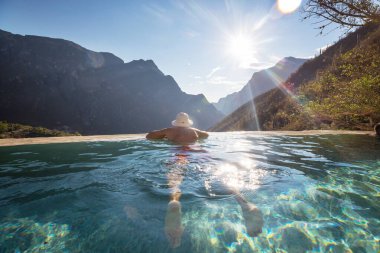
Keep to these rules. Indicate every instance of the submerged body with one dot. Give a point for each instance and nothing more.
(182, 133)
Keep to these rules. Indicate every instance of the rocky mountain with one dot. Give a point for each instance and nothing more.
(337, 89)
(58, 84)
(261, 82)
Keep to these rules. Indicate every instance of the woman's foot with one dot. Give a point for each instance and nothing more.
(253, 217)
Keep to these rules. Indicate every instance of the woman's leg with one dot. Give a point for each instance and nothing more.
(173, 221)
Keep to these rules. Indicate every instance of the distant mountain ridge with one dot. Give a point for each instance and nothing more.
(261, 82)
(58, 84)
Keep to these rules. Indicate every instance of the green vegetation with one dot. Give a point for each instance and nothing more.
(343, 94)
(12, 130)
(347, 95)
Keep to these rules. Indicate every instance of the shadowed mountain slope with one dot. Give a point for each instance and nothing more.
(58, 84)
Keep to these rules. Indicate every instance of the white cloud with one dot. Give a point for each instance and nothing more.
(217, 80)
(213, 71)
(222, 80)
(257, 65)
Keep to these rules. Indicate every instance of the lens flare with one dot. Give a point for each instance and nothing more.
(288, 6)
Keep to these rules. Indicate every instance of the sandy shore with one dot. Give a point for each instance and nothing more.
(122, 137)
(65, 139)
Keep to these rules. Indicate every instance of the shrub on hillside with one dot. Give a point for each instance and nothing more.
(12, 130)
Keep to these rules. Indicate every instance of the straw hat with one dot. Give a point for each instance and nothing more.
(182, 120)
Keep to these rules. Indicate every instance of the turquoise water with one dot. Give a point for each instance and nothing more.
(316, 194)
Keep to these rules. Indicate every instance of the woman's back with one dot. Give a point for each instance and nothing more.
(181, 134)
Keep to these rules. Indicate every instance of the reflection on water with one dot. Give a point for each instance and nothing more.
(316, 193)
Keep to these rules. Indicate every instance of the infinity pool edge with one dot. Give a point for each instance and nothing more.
(123, 137)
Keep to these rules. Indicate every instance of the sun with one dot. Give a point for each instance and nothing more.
(240, 47)
(288, 6)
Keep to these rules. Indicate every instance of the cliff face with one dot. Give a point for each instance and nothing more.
(58, 84)
(260, 83)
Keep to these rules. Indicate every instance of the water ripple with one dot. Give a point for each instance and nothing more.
(317, 194)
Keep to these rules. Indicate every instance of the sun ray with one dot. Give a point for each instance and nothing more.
(254, 112)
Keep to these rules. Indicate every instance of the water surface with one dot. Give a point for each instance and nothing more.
(317, 194)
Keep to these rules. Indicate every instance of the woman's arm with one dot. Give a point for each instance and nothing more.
(201, 134)
(158, 134)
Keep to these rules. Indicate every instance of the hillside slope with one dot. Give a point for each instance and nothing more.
(58, 84)
(294, 105)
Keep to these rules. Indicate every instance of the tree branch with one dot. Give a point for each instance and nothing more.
(344, 13)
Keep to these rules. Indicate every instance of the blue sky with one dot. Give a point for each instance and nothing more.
(209, 46)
